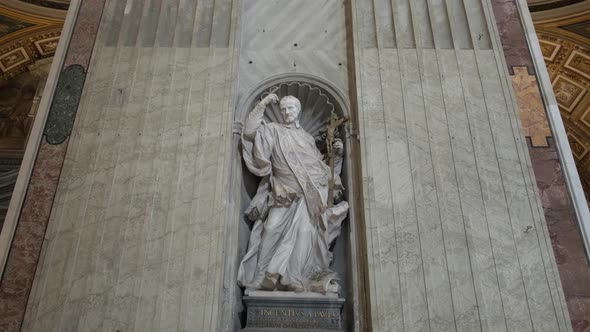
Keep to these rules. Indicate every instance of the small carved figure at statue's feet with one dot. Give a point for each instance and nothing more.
(325, 282)
(270, 281)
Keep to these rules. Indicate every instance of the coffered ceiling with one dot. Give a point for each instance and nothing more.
(564, 35)
(29, 31)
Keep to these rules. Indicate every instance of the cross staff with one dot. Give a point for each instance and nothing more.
(333, 123)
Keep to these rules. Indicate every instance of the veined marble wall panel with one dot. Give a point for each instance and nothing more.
(304, 36)
(134, 241)
(455, 239)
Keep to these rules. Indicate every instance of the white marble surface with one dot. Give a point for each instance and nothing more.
(304, 36)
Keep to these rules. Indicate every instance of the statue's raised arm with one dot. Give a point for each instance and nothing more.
(255, 117)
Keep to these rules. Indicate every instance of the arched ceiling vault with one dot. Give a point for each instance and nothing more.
(548, 5)
(56, 4)
(29, 31)
(564, 35)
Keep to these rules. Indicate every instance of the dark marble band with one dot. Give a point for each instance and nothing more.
(65, 104)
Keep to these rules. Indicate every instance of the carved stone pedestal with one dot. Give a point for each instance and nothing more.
(288, 311)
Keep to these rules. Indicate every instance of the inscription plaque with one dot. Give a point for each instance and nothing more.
(266, 313)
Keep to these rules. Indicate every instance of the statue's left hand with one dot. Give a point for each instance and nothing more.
(254, 214)
(271, 98)
(338, 147)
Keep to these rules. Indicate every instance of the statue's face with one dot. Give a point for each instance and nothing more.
(290, 111)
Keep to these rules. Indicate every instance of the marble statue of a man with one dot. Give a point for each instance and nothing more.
(289, 247)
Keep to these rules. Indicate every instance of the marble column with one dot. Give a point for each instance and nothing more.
(134, 238)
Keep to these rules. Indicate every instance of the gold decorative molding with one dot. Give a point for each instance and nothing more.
(18, 54)
(13, 59)
(549, 49)
(36, 40)
(567, 56)
(579, 63)
(579, 149)
(567, 92)
(563, 15)
(47, 46)
(32, 10)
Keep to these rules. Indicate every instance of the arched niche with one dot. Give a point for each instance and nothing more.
(318, 99)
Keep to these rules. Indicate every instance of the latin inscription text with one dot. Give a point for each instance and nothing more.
(296, 313)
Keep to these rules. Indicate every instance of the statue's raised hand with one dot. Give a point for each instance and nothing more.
(255, 117)
(271, 98)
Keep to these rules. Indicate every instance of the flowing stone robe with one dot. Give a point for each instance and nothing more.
(294, 227)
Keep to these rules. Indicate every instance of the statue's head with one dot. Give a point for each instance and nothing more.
(290, 109)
